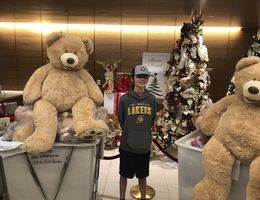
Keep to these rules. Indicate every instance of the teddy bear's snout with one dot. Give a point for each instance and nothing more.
(69, 60)
(251, 91)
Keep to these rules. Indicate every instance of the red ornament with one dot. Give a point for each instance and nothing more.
(123, 84)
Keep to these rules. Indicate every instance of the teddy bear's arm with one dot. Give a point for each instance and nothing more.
(32, 89)
(209, 120)
(93, 90)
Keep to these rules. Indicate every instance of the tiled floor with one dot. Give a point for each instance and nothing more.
(163, 178)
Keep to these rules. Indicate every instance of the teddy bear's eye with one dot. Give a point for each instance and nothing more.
(75, 53)
(66, 51)
(254, 79)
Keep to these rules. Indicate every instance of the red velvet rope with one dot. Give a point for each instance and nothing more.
(165, 152)
(156, 143)
(111, 157)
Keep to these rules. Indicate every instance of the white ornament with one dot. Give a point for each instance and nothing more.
(203, 53)
(193, 52)
(166, 114)
(190, 102)
(188, 93)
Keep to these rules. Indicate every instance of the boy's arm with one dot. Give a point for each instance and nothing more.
(121, 113)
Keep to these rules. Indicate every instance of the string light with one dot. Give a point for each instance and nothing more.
(50, 27)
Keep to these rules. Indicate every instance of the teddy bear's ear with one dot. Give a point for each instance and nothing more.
(53, 37)
(89, 45)
(245, 62)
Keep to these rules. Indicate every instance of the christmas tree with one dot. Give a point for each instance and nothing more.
(254, 50)
(186, 85)
(154, 86)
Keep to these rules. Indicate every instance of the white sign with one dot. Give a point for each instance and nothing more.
(157, 65)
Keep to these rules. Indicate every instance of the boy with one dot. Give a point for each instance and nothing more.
(137, 112)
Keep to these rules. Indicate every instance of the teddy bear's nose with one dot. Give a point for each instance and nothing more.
(253, 90)
(70, 60)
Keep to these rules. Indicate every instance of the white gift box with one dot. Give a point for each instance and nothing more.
(66, 172)
(190, 170)
(111, 102)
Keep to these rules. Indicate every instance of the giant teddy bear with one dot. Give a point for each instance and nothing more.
(233, 123)
(59, 86)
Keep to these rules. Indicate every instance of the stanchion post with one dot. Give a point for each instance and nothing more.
(136, 193)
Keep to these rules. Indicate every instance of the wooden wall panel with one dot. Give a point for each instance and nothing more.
(107, 39)
(223, 65)
(52, 12)
(8, 65)
(82, 12)
(217, 43)
(161, 40)
(28, 40)
(134, 43)
(107, 45)
(25, 50)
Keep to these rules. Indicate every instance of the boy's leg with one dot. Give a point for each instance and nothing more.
(142, 171)
(122, 187)
(142, 186)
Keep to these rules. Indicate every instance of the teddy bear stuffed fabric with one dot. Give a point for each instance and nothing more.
(233, 123)
(59, 86)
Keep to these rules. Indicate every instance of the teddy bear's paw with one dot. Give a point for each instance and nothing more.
(97, 128)
(92, 134)
(37, 143)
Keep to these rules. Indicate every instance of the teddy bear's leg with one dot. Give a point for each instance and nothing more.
(84, 122)
(253, 187)
(23, 131)
(217, 163)
(45, 120)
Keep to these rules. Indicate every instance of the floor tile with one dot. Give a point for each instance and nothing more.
(171, 176)
(163, 178)
(103, 174)
(161, 196)
(173, 190)
(105, 164)
(111, 191)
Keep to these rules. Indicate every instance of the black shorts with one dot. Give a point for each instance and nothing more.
(133, 164)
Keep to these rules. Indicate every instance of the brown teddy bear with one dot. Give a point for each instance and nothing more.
(59, 86)
(233, 124)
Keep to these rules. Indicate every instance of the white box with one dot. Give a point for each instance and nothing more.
(66, 172)
(190, 171)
